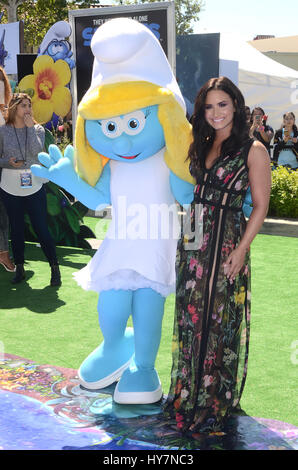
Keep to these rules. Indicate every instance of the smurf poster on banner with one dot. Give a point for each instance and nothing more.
(131, 144)
(49, 83)
(56, 45)
(9, 46)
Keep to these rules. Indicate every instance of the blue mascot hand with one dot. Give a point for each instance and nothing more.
(55, 167)
(60, 170)
(182, 190)
(247, 204)
(69, 60)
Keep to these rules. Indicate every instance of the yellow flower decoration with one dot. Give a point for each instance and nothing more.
(50, 93)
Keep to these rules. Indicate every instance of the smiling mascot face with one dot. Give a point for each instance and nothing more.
(106, 116)
(131, 137)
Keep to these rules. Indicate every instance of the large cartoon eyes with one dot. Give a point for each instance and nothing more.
(57, 47)
(134, 122)
(131, 124)
(112, 128)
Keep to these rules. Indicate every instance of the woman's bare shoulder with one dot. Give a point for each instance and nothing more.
(258, 151)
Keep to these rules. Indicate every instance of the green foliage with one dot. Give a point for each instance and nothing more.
(49, 139)
(65, 220)
(186, 13)
(39, 16)
(64, 143)
(84, 4)
(284, 193)
(4, 18)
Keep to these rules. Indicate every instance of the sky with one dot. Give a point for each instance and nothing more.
(249, 17)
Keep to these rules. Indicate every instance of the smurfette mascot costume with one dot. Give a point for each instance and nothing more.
(131, 145)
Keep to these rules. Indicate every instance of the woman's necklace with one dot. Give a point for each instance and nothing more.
(16, 134)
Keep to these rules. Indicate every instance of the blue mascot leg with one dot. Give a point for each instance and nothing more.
(140, 383)
(107, 362)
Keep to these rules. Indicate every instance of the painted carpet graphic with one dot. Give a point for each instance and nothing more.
(43, 407)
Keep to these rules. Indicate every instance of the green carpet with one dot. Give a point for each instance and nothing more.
(59, 326)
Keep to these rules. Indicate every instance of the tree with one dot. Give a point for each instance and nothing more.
(186, 12)
(84, 4)
(39, 16)
(11, 9)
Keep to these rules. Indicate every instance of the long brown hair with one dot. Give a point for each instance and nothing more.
(293, 116)
(204, 134)
(15, 100)
(7, 87)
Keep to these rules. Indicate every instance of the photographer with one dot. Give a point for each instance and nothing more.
(259, 128)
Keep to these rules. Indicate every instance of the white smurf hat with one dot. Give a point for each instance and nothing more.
(126, 50)
(59, 31)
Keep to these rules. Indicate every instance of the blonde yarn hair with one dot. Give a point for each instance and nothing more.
(121, 98)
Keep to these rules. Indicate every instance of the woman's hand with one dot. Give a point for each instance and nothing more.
(234, 263)
(28, 120)
(16, 163)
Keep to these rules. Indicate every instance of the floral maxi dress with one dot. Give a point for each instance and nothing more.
(212, 316)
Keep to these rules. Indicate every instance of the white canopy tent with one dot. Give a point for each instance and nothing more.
(263, 81)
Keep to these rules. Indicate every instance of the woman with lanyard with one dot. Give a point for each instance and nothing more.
(20, 142)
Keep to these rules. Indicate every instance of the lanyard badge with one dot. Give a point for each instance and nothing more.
(26, 179)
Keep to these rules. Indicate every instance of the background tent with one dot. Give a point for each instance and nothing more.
(263, 81)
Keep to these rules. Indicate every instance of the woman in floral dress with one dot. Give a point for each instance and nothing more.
(212, 316)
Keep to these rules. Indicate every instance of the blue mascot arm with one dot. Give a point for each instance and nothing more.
(247, 204)
(60, 169)
(69, 60)
(182, 190)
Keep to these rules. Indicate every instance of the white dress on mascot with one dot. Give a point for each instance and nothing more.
(139, 249)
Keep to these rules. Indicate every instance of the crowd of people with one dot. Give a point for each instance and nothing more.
(282, 145)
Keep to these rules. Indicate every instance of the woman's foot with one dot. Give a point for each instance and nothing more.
(7, 262)
(20, 274)
(55, 275)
